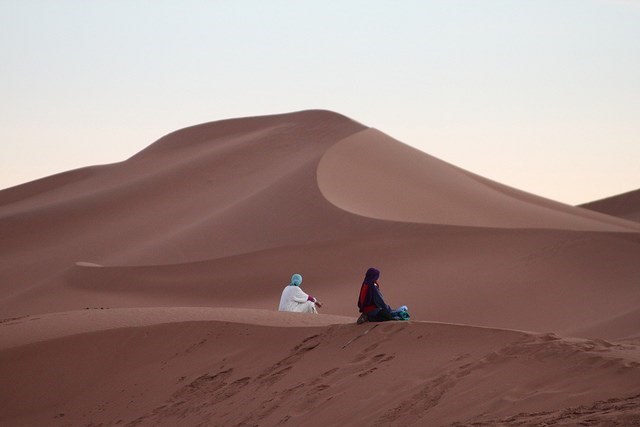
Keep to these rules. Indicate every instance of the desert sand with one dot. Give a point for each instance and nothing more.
(626, 205)
(145, 292)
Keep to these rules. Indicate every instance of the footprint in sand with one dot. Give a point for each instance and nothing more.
(370, 348)
(365, 365)
(272, 378)
(329, 372)
(367, 372)
(392, 328)
(323, 376)
(275, 372)
(381, 358)
(12, 321)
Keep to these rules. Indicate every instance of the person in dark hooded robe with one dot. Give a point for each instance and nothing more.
(371, 303)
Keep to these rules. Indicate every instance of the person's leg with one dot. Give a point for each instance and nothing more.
(309, 307)
(362, 319)
(381, 316)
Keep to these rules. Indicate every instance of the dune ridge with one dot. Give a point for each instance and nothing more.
(371, 174)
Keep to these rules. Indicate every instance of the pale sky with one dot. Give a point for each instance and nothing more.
(541, 95)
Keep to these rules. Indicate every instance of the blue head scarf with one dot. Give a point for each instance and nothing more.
(296, 280)
(371, 276)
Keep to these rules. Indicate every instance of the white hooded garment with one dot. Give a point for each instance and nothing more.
(294, 299)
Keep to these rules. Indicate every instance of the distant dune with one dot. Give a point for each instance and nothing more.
(373, 175)
(626, 205)
(158, 279)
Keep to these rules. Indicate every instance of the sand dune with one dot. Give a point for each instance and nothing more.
(538, 274)
(207, 366)
(221, 214)
(626, 205)
(374, 175)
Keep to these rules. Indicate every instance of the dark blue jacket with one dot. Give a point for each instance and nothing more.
(371, 301)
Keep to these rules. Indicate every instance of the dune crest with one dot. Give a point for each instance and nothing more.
(371, 174)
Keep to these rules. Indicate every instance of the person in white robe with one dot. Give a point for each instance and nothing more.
(295, 299)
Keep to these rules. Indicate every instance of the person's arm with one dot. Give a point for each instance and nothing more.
(300, 296)
(378, 300)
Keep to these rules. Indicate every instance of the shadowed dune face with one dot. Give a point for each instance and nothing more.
(223, 213)
(626, 205)
(373, 175)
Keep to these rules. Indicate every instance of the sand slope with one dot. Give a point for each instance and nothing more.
(371, 174)
(223, 213)
(626, 205)
(246, 367)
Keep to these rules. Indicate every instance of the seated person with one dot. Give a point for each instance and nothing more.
(294, 299)
(371, 302)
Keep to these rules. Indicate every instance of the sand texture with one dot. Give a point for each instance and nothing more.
(144, 292)
(191, 367)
